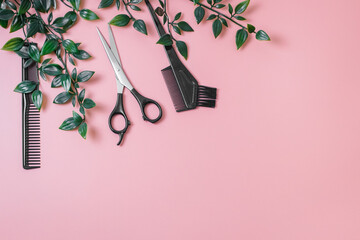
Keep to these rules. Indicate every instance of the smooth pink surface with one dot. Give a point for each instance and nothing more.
(277, 159)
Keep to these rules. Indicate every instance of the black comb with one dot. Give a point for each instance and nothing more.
(30, 121)
(185, 91)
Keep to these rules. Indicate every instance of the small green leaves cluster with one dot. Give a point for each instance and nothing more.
(29, 15)
(220, 19)
(122, 20)
(176, 25)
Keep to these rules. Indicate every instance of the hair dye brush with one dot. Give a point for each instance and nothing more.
(185, 91)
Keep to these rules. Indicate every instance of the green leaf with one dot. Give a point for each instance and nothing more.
(25, 87)
(140, 26)
(82, 55)
(50, 17)
(71, 60)
(177, 30)
(52, 69)
(37, 98)
(241, 36)
(23, 52)
(82, 110)
(120, 20)
(87, 14)
(240, 18)
(69, 124)
(70, 46)
(199, 14)
(39, 5)
(88, 103)
(42, 74)
(34, 52)
(75, 4)
(117, 4)
(49, 46)
(74, 74)
(219, 6)
(6, 14)
(211, 17)
(217, 27)
(13, 44)
(28, 63)
(62, 98)
(241, 7)
(135, 8)
(181, 46)
(16, 24)
(161, 3)
(231, 10)
(81, 95)
(72, 16)
(224, 22)
(84, 76)
(66, 82)
(185, 26)
(73, 101)
(105, 3)
(4, 23)
(165, 40)
(60, 22)
(24, 6)
(250, 28)
(177, 16)
(77, 117)
(46, 61)
(56, 82)
(262, 36)
(83, 130)
(33, 28)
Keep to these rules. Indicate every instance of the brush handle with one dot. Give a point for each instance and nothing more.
(186, 82)
(173, 58)
(158, 25)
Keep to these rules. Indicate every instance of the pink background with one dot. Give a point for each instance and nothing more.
(277, 159)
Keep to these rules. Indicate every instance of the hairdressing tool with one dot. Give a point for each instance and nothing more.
(121, 82)
(184, 90)
(30, 121)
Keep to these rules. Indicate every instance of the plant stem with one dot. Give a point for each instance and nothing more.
(221, 14)
(66, 4)
(168, 21)
(127, 10)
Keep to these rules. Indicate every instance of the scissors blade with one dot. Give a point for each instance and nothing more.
(113, 45)
(120, 75)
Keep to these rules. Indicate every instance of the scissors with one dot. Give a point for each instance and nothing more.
(121, 82)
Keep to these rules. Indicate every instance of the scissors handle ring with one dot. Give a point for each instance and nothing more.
(143, 102)
(119, 110)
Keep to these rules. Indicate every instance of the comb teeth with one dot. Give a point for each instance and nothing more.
(174, 90)
(31, 137)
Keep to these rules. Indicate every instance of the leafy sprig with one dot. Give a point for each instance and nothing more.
(221, 19)
(122, 20)
(176, 25)
(28, 15)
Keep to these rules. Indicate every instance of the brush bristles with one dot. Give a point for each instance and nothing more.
(207, 92)
(32, 138)
(206, 96)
